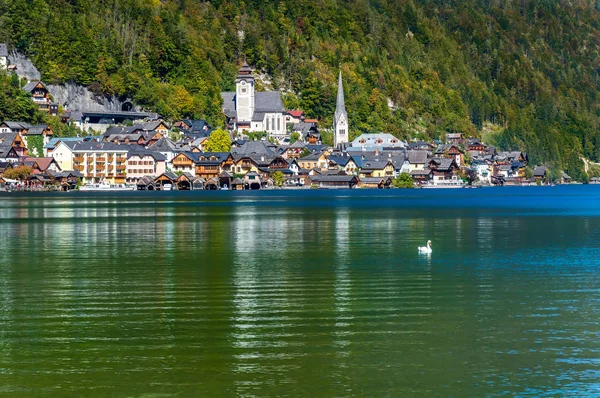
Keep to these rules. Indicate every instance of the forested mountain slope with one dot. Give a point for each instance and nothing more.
(524, 74)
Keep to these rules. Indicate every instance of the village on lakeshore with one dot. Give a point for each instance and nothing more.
(263, 146)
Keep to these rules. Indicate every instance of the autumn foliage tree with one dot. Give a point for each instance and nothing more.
(18, 173)
(218, 141)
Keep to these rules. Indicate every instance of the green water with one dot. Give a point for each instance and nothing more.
(301, 294)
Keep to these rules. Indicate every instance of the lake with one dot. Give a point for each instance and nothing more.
(301, 293)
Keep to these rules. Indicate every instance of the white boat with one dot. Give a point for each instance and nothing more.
(105, 187)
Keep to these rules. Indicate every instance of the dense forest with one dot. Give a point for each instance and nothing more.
(520, 74)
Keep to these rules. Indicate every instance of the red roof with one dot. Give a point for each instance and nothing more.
(315, 121)
(43, 163)
(295, 113)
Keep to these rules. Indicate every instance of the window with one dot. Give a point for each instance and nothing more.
(243, 90)
(342, 132)
(278, 124)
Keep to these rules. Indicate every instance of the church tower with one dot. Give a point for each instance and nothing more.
(244, 96)
(340, 118)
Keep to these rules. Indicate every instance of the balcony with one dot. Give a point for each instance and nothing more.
(182, 164)
(121, 159)
(78, 159)
(79, 168)
(110, 159)
(121, 167)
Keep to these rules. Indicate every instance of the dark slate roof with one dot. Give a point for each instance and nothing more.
(37, 130)
(229, 103)
(17, 125)
(539, 171)
(94, 146)
(163, 145)
(268, 101)
(334, 178)
(220, 157)
(141, 152)
(375, 165)
(31, 85)
(443, 163)
(417, 157)
(3, 50)
(340, 160)
(197, 126)
(258, 116)
(303, 127)
(315, 148)
(254, 148)
(7, 138)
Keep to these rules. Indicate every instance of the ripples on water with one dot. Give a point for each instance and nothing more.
(322, 295)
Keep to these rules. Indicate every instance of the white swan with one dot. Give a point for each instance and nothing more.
(425, 249)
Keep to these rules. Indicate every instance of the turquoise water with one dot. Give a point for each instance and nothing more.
(313, 293)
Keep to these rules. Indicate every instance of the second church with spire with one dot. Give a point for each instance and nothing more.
(340, 118)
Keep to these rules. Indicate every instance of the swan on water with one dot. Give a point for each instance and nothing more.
(425, 249)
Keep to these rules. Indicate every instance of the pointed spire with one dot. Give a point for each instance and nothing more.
(340, 106)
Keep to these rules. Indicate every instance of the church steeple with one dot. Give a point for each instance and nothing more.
(244, 94)
(340, 118)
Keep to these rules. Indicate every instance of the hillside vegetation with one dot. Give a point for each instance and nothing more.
(413, 68)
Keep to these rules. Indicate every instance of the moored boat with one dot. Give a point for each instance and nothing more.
(104, 187)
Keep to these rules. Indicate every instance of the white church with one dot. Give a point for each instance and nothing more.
(251, 111)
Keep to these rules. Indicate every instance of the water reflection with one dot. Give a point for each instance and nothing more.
(166, 296)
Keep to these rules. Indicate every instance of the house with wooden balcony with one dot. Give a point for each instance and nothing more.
(343, 162)
(41, 95)
(444, 171)
(96, 161)
(8, 154)
(184, 162)
(294, 150)
(212, 164)
(16, 141)
(451, 151)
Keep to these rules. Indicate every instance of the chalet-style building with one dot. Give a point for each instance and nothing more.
(444, 171)
(343, 162)
(193, 126)
(454, 138)
(451, 151)
(41, 96)
(417, 160)
(40, 164)
(16, 142)
(211, 164)
(145, 134)
(8, 153)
